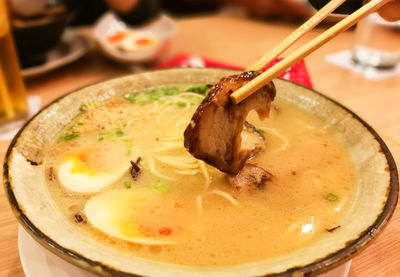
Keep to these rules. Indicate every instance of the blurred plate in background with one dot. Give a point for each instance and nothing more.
(71, 47)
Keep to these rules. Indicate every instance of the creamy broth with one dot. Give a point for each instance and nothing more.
(186, 208)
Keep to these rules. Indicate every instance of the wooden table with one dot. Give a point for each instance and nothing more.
(240, 41)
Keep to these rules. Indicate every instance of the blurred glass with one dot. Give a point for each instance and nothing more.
(377, 42)
(13, 103)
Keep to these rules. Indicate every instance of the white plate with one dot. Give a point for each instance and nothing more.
(38, 261)
(71, 47)
(163, 28)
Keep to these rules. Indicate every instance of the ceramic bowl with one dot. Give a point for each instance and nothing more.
(35, 38)
(374, 201)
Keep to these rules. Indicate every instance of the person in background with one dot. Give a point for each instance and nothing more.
(261, 8)
(390, 11)
(136, 12)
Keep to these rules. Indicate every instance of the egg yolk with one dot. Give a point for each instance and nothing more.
(80, 164)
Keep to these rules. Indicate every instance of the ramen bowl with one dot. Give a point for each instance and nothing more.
(374, 200)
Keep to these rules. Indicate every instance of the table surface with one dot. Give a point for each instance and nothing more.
(240, 41)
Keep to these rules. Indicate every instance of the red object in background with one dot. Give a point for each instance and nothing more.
(185, 60)
(297, 73)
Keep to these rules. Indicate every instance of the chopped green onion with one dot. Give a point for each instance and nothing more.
(129, 145)
(79, 123)
(100, 136)
(181, 104)
(332, 197)
(169, 91)
(130, 97)
(83, 107)
(150, 92)
(261, 131)
(150, 95)
(127, 184)
(202, 89)
(119, 133)
(153, 97)
(68, 137)
(94, 104)
(161, 187)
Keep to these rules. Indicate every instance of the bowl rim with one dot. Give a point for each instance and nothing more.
(43, 22)
(317, 267)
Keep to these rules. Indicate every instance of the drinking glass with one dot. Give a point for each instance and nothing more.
(13, 102)
(377, 42)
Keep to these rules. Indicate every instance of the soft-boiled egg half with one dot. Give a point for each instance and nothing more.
(75, 175)
(93, 168)
(138, 215)
(129, 41)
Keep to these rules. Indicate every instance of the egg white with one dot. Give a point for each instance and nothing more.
(78, 177)
(129, 43)
(113, 212)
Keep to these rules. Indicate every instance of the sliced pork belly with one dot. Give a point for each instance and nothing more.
(252, 140)
(215, 131)
(250, 177)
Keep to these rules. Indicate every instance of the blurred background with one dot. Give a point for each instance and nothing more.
(38, 25)
(51, 47)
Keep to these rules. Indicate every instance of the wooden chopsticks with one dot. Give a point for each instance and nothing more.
(267, 76)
